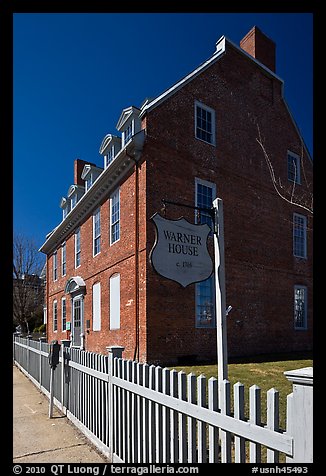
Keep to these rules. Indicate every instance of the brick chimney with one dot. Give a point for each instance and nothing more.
(258, 45)
(78, 168)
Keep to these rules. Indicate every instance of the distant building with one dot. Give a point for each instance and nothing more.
(195, 141)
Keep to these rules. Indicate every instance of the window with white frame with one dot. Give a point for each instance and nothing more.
(205, 193)
(55, 315)
(127, 133)
(89, 182)
(294, 173)
(65, 211)
(115, 216)
(97, 232)
(115, 302)
(204, 123)
(299, 236)
(63, 260)
(97, 307)
(73, 201)
(63, 314)
(300, 307)
(205, 304)
(109, 156)
(77, 248)
(55, 266)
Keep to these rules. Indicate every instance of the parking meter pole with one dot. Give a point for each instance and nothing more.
(54, 358)
(51, 392)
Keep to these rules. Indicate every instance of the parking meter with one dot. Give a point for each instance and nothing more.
(54, 354)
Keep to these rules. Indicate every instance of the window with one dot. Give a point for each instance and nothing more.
(73, 201)
(115, 216)
(63, 313)
(115, 302)
(63, 259)
(97, 232)
(55, 315)
(300, 307)
(89, 182)
(204, 123)
(77, 248)
(299, 236)
(205, 308)
(109, 156)
(97, 307)
(55, 266)
(127, 134)
(205, 193)
(65, 211)
(294, 168)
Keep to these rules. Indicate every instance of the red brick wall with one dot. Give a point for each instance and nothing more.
(260, 267)
(117, 258)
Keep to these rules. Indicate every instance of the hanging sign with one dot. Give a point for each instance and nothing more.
(180, 250)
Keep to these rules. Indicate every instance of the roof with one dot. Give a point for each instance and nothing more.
(221, 47)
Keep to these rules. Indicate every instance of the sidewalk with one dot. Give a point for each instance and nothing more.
(39, 439)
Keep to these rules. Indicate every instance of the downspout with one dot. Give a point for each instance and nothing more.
(136, 160)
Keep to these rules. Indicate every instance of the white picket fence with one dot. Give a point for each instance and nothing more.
(136, 413)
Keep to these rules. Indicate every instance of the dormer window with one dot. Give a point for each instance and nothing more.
(110, 147)
(109, 156)
(88, 182)
(64, 204)
(128, 133)
(89, 174)
(73, 201)
(129, 124)
(75, 192)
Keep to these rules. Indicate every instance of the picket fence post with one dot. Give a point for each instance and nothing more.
(113, 351)
(300, 414)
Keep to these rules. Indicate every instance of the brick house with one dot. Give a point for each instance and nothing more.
(199, 139)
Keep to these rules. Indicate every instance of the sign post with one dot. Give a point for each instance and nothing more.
(220, 303)
(180, 253)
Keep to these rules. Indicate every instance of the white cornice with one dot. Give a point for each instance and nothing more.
(105, 183)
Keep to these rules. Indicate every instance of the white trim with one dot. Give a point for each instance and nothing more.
(298, 161)
(125, 115)
(98, 210)
(105, 183)
(117, 190)
(115, 298)
(77, 230)
(206, 183)
(63, 299)
(212, 112)
(63, 248)
(304, 236)
(173, 89)
(96, 306)
(55, 302)
(198, 326)
(55, 266)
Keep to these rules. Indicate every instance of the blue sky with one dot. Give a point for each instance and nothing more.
(74, 73)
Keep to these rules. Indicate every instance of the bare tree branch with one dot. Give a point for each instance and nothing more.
(278, 187)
